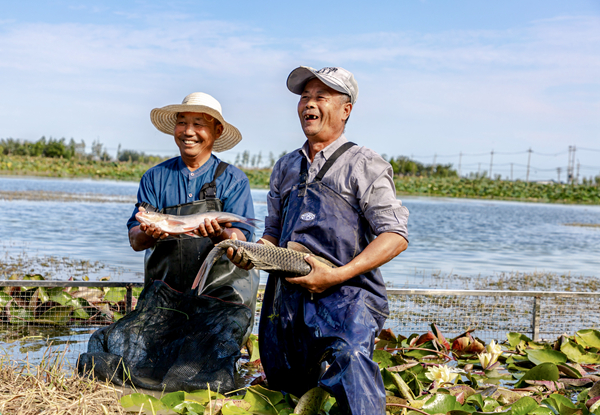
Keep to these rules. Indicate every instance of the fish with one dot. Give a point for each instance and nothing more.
(265, 257)
(185, 224)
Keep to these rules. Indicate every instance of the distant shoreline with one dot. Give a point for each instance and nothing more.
(449, 187)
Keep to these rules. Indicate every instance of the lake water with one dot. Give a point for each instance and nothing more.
(465, 237)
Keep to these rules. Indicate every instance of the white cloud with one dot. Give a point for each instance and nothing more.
(517, 87)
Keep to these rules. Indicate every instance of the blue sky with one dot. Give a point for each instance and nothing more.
(436, 78)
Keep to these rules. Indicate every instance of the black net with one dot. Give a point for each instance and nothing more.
(172, 341)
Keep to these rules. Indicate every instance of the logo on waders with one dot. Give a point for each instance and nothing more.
(307, 216)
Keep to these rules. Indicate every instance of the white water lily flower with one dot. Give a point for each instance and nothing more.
(487, 359)
(441, 374)
(494, 348)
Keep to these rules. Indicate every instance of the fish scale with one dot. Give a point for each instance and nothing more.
(265, 257)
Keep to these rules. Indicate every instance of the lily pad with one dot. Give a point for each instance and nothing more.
(523, 406)
(546, 356)
(442, 404)
(382, 358)
(311, 402)
(578, 354)
(143, 404)
(588, 338)
(515, 339)
(544, 371)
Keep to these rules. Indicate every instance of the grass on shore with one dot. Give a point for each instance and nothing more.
(50, 388)
(481, 188)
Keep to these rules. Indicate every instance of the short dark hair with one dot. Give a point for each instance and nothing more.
(344, 98)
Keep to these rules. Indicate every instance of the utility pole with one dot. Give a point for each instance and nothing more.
(478, 170)
(459, 161)
(577, 179)
(434, 157)
(569, 173)
(558, 171)
(511, 172)
(491, 164)
(528, 163)
(573, 166)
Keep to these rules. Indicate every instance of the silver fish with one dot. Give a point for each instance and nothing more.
(185, 224)
(266, 257)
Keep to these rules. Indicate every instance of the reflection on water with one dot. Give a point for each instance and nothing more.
(44, 343)
(465, 237)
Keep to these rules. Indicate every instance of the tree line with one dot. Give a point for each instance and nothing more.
(60, 148)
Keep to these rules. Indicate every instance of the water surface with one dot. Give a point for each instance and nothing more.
(462, 236)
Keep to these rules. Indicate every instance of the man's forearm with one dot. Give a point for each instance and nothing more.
(139, 240)
(383, 249)
(380, 251)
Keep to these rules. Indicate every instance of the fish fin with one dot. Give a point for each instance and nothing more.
(295, 246)
(252, 222)
(265, 242)
(174, 222)
(326, 262)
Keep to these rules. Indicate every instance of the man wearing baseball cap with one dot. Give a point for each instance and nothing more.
(337, 199)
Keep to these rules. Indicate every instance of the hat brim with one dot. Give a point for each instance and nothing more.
(164, 120)
(298, 78)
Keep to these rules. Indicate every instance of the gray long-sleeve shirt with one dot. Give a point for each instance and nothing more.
(361, 176)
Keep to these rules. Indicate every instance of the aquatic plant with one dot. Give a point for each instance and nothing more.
(425, 374)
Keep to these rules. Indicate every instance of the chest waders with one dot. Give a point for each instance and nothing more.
(176, 338)
(176, 261)
(301, 333)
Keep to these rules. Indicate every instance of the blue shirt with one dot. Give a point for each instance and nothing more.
(171, 183)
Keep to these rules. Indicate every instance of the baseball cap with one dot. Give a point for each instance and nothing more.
(334, 77)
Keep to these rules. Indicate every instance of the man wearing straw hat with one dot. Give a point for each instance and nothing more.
(195, 182)
(337, 199)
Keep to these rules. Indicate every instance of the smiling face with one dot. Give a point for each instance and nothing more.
(323, 112)
(195, 133)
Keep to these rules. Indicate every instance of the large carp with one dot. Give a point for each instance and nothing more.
(185, 224)
(266, 257)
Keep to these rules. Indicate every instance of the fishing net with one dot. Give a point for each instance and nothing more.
(172, 341)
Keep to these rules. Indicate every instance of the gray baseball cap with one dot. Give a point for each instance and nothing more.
(334, 77)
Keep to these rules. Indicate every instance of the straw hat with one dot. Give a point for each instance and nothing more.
(164, 118)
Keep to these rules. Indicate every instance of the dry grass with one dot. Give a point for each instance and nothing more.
(47, 389)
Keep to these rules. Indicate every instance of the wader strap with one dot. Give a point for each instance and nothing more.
(303, 176)
(209, 190)
(332, 160)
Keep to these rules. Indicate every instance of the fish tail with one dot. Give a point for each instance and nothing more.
(252, 222)
(212, 257)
